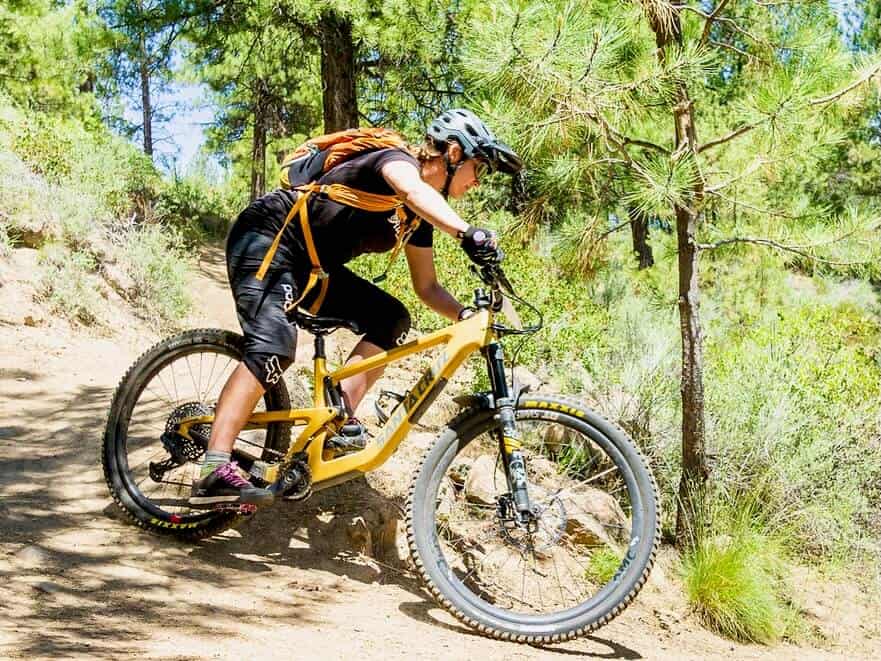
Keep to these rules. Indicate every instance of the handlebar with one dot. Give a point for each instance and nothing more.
(493, 276)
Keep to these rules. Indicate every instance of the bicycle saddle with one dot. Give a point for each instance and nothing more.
(321, 325)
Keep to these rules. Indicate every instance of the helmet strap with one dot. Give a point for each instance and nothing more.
(451, 172)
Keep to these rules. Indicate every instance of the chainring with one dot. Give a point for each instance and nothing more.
(297, 478)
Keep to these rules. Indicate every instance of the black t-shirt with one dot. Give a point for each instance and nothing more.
(340, 232)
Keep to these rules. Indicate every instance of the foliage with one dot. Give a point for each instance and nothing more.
(155, 259)
(197, 208)
(5, 240)
(78, 204)
(67, 284)
(49, 55)
(602, 565)
(734, 579)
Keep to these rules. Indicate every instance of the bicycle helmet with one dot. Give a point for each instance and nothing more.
(476, 139)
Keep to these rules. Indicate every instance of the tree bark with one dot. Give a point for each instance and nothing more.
(258, 143)
(691, 508)
(338, 73)
(639, 231)
(519, 193)
(146, 106)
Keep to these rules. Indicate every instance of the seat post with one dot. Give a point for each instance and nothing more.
(319, 345)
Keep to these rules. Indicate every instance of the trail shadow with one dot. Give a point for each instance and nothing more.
(16, 374)
(76, 582)
(424, 612)
(318, 534)
(76, 579)
(212, 262)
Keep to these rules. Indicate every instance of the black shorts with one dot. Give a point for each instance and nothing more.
(260, 304)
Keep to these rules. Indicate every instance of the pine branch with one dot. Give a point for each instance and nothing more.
(735, 49)
(725, 184)
(593, 52)
(708, 24)
(726, 20)
(840, 93)
(757, 209)
(736, 133)
(614, 229)
(774, 244)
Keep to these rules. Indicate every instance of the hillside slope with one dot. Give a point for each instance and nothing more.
(79, 582)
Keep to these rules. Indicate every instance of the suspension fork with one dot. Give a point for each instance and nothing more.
(510, 443)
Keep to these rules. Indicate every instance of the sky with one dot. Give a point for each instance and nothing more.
(177, 141)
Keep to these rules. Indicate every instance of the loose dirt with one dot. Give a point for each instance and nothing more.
(78, 581)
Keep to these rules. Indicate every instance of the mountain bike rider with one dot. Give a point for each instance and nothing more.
(459, 149)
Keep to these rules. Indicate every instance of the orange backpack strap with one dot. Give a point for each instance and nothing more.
(342, 194)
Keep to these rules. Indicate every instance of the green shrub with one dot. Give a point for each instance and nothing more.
(67, 284)
(734, 580)
(156, 261)
(602, 565)
(45, 147)
(5, 239)
(195, 207)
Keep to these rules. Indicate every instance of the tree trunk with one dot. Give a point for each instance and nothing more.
(639, 231)
(338, 73)
(519, 193)
(691, 512)
(258, 144)
(146, 107)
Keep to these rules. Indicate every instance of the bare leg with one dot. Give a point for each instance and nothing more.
(356, 386)
(237, 400)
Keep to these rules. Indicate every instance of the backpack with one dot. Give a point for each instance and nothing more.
(316, 157)
(309, 162)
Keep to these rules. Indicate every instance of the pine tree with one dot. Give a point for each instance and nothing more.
(588, 93)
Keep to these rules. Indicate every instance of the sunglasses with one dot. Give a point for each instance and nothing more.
(481, 169)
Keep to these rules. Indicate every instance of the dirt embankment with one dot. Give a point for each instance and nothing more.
(76, 581)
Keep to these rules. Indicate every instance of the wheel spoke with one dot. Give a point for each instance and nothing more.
(556, 560)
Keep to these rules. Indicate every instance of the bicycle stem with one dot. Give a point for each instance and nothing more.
(509, 438)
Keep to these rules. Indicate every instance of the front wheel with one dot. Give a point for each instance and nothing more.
(582, 557)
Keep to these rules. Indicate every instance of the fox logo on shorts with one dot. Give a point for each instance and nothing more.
(288, 295)
(273, 369)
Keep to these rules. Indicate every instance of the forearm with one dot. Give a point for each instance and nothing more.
(442, 302)
(430, 205)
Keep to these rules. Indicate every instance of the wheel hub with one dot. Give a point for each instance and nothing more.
(543, 528)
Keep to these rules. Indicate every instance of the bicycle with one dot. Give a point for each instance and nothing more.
(531, 518)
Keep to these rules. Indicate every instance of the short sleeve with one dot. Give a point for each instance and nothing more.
(389, 155)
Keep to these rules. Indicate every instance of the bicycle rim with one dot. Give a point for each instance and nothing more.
(183, 383)
(590, 549)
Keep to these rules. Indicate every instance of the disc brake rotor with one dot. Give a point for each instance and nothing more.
(544, 529)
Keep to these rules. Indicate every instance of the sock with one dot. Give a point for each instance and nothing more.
(213, 459)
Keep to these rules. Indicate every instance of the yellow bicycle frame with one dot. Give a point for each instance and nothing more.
(458, 342)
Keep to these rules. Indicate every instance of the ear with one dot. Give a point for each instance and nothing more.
(454, 151)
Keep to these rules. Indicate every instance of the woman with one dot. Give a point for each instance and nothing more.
(459, 149)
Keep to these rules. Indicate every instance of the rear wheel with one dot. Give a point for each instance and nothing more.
(180, 377)
(583, 555)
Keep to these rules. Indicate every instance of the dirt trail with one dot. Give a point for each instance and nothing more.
(76, 581)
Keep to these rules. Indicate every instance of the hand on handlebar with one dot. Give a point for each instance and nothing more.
(482, 246)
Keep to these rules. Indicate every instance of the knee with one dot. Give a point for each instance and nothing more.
(401, 326)
(393, 324)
